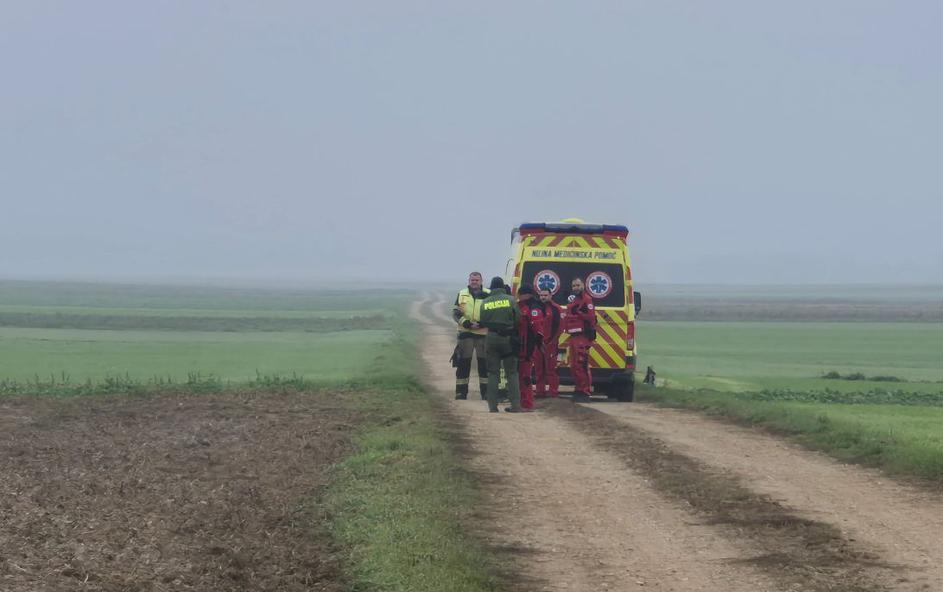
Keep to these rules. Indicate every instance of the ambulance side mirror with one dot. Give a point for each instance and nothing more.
(637, 298)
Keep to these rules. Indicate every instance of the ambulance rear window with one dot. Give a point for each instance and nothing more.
(605, 282)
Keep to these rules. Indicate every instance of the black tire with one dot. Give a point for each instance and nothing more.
(622, 388)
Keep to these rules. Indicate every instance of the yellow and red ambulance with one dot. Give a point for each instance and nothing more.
(549, 255)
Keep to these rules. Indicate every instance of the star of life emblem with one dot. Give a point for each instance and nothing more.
(599, 284)
(547, 280)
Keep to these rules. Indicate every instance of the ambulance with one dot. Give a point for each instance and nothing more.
(550, 255)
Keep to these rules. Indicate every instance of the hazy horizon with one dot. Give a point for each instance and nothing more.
(742, 143)
(344, 284)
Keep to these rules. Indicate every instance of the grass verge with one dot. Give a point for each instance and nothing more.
(903, 440)
(402, 505)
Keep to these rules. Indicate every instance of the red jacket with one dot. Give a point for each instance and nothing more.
(553, 321)
(580, 316)
(531, 327)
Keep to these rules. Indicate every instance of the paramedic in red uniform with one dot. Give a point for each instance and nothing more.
(531, 342)
(546, 363)
(580, 325)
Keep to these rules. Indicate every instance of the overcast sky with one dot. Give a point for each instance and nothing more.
(740, 141)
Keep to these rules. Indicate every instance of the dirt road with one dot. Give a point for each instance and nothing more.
(577, 512)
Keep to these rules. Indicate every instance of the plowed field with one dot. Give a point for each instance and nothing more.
(169, 492)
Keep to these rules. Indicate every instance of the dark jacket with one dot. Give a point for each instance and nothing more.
(500, 315)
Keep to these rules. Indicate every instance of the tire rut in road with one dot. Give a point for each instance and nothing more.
(808, 554)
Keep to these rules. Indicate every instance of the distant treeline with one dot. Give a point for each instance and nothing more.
(662, 309)
(188, 323)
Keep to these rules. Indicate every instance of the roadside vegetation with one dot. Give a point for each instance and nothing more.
(897, 432)
(403, 506)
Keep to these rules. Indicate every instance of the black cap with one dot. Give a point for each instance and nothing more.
(526, 289)
(497, 283)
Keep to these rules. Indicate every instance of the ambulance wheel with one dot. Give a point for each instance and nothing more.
(622, 389)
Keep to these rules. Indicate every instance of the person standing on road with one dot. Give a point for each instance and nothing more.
(546, 361)
(532, 342)
(471, 336)
(580, 324)
(500, 315)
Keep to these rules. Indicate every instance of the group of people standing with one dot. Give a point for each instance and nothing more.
(521, 337)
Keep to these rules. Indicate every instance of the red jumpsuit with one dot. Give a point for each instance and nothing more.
(531, 334)
(580, 324)
(546, 363)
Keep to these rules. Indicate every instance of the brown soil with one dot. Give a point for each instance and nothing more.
(171, 492)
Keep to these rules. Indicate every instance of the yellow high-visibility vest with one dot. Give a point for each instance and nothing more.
(468, 308)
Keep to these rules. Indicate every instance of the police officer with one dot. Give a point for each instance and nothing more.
(501, 316)
(471, 336)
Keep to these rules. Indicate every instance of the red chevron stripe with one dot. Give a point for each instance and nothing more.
(619, 331)
(605, 355)
(612, 319)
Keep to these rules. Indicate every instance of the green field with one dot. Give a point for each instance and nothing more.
(771, 374)
(69, 295)
(82, 332)
(731, 356)
(31, 354)
(323, 313)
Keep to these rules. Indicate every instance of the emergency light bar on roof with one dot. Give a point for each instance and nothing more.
(569, 228)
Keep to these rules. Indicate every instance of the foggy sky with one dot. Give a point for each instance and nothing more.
(741, 141)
